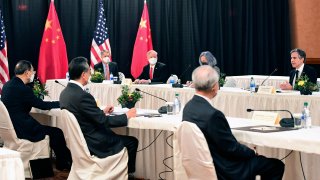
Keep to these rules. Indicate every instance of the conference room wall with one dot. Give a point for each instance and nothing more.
(247, 37)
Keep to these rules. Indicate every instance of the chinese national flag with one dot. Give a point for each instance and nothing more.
(53, 60)
(142, 44)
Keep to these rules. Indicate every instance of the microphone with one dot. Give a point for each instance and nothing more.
(178, 84)
(162, 109)
(276, 69)
(284, 122)
(56, 81)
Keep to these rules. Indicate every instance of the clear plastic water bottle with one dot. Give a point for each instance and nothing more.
(306, 122)
(171, 80)
(67, 76)
(111, 76)
(252, 85)
(177, 104)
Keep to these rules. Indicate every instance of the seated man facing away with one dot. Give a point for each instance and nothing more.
(298, 60)
(94, 123)
(232, 160)
(19, 99)
(154, 71)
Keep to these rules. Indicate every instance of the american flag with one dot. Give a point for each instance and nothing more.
(100, 37)
(4, 68)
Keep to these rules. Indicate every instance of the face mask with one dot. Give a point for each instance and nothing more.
(204, 63)
(153, 61)
(31, 78)
(106, 59)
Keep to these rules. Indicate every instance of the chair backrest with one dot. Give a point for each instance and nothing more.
(193, 153)
(7, 132)
(86, 166)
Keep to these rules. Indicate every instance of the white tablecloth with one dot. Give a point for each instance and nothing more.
(244, 81)
(11, 166)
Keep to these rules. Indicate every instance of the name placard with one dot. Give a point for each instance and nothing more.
(266, 90)
(267, 118)
(126, 81)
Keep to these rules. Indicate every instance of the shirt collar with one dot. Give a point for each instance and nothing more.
(77, 83)
(300, 69)
(206, 98)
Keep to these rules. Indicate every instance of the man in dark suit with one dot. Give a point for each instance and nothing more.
(298, 60)
(232, 160)
(154, 71)
(106, 67)
(19, 99)
(93, 121)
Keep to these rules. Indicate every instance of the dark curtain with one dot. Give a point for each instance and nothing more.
(246, 36)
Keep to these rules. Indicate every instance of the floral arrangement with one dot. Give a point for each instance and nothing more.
(39, 89)
(97, 77)
(128, 98)
(305, 86)
(222, 79)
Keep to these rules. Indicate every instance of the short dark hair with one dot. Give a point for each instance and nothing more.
(77, 66)
(22, 66)
(300, 52)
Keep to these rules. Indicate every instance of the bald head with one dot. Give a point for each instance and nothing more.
(204, 78)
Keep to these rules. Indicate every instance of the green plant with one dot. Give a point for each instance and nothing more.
(222, 79)
(127, 96)
(39, 89)
(304, 85)
(97, 77)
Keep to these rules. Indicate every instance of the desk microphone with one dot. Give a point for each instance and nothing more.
(56, 81)
(276, 69)
(284, 122)
(178, 84)
(162, 109)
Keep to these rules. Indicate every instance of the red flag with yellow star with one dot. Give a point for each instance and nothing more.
(53, 60)
(142, 45)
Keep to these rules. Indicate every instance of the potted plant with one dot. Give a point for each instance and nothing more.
(305, 86)
(97, 77)
(39, 89)
(127, 98)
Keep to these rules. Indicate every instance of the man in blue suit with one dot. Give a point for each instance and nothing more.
(19, 99)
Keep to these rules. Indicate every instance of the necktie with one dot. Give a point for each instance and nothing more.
(151, 73)
(107, 73)
(297, 75)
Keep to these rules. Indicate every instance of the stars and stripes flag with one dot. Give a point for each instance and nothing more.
(4, 67)
(142, 44)
(100, 37)
(53, 59)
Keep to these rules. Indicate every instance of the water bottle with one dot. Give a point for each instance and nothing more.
(252, 85)
(177, 104)
(306, 122)
(171, 80)
(67, 76)
(111, 77)
(87, 90)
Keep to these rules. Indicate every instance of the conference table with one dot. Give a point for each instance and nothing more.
(232, 102)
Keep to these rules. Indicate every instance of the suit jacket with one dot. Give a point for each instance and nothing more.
(113, 68)
(19, 99)
(307, 70)
(228, 154)
(160, 73)
(95, 125)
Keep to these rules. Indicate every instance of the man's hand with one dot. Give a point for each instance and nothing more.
(136, 81)
(286, 86)
(108, 109)
(131, 113)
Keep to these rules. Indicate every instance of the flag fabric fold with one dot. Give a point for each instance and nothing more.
(4, 66)
(142, 44)
(53, 59)
(100, 39)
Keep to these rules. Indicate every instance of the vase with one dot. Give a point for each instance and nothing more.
(128, 105)
(306, 92)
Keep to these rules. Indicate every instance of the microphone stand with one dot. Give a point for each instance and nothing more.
(162, 109)
(178, 84)
(276, 69)
(56, 81)
(284, 122)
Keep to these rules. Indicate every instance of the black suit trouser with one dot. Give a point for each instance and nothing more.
(131, 143)
(267, 168)
(58, 145)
